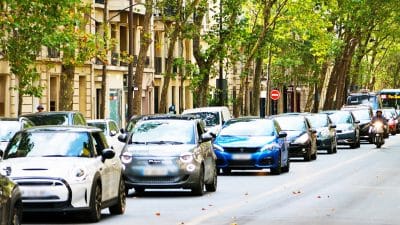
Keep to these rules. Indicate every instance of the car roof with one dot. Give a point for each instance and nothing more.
(50, 113)
(9, 119)
(64, 128)
(205, 109)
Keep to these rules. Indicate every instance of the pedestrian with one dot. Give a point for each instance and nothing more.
(171, 109)
(39, 108)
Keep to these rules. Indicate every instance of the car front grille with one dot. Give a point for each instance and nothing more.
(241, 150)
(160, 179)
(43, 190)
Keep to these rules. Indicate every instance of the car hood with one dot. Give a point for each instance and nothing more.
(159, 150)
(3, 145)
(244, 141)
(344, 126)
(293, 134)
(43, 166)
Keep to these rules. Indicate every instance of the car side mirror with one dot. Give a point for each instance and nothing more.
(338, 131)
(113, 133)
(282, 134)
(357, 121)
(122, 130)
(122, 137)
(312, 130)
(206, 137)
(332, 126)
(107, 153)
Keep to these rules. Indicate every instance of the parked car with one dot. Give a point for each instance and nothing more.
(57, 118)
(169, 151)
(301, 136)
(10, 126)
(252, 143)
(65, 168)
(347, 129)
(326, 131)
(364, 114)
(10, 202)
(111, 131)
(393, 120)
(214, 117)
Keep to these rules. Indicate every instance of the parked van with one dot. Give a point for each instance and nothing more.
(214, 117)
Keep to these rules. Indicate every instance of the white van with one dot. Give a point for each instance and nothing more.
(214, 117)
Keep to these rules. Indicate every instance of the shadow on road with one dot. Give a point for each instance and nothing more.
(61, 218)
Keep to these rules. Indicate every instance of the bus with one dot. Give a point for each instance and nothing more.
(365, 97)
(390, 98)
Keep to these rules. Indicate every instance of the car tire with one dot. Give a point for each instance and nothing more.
(95, 204)
(119, 207)
(277, 170)
(307, 156)
(314, 156)
(16, 216)
(198, 188)
(286, 168)
(212, 186)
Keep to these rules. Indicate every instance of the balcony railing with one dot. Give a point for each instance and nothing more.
(53, 53)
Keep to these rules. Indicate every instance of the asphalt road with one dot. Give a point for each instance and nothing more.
(352, 187)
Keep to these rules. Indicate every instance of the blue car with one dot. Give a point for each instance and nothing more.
(252, 143)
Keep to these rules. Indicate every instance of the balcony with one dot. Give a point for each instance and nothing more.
(53, 53)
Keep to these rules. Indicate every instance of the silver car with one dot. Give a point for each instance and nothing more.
(169, 152)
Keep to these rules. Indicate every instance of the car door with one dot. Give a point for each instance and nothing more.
(282, 142)
(207, 152)
(109, 176)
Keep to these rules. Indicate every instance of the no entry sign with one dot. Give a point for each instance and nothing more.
(275, 94)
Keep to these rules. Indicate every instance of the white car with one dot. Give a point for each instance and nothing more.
(214, 116)
(65, 168)
(111, 131)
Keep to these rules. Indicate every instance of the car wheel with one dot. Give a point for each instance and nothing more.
(287, 167)
(95, 204)
(119, 207)
(198, 188)
(212, 186)
(278, 169)
(314, 156)
(16, 215)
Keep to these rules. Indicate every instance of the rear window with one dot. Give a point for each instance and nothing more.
(48, 119)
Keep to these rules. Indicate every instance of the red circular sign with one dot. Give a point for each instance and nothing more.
(275, 94)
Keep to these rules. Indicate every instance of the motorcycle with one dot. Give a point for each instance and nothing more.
(392, 124)
(377, 131)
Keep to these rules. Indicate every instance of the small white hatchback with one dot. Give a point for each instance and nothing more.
(65, 168)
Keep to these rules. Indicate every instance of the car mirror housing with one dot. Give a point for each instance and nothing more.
(113, 133)
(122, 137)
(282, 134)
(108, 153)
(357, 121)
(206, 137)
(332, 126)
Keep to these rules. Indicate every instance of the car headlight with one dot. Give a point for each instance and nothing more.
(186, 157)
(126, 157)
(218, 148)
(79, 174)
(269, 147)
(302, 139)
(324, 133)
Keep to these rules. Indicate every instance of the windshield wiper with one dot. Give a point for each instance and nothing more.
(54, 156)
(138, 142)
(165, 142)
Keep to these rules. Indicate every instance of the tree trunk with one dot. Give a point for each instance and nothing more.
(67, 90)
(145, 41)
(105, 62)
(255, 99)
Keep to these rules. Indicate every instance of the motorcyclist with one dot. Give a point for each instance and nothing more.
(379, 118)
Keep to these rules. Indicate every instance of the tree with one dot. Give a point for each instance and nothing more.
(25, 27)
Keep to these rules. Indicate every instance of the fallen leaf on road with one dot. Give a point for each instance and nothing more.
(318, 196)
(158, 214)
(203, 209)
(246, 193)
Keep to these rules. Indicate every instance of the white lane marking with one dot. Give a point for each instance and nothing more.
(298, 182)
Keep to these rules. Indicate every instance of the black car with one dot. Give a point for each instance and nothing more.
(326, 131)
(67, 118)
(363, 114)
(10, 202)
(301, 136)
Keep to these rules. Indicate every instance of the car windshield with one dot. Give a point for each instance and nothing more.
(341, 117)
(8, 129)
(41, 144)
(294, 123)
(318, 120)
(210, 118)
(101, 125)
(251, 127)
(164, 131)
(48, 119)
(361, 114)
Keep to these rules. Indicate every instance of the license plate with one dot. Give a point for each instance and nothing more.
(155, 172)
(33, 193)
(241, 156)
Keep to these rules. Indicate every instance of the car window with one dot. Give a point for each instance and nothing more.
(79, 119)
(8, 129)
(292, 123)
(48, 119)
(99, 142)
(164, 131)
(250, 127)
(210, 118)
(114, 127)
(318, 120)
(46, 143)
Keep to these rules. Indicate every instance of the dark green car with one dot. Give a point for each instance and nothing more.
(10, 202)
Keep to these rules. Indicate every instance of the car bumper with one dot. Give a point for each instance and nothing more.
(53, 195)
(346, 138)
(161, 177)
(324, 143)
(257, 160)
(298, 150)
